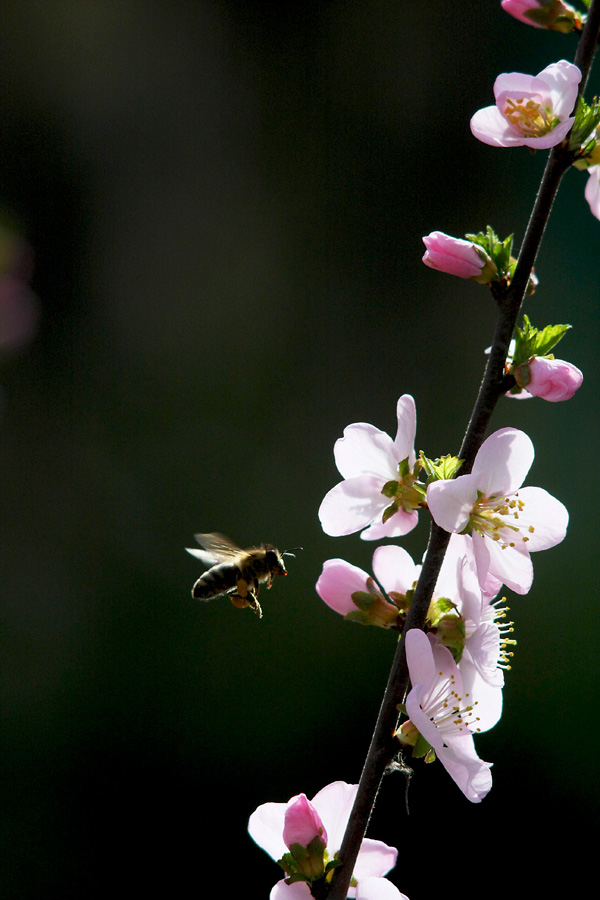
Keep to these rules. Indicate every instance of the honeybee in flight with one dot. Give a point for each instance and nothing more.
(234, 571)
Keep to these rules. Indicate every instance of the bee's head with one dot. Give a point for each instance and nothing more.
(275, 559)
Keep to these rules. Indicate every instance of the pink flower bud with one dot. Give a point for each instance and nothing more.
(457, 257)
(552, 14)
(302, 823)
(551, 379)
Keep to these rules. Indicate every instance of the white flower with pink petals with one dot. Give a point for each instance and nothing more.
(445, 714)
(326, 816)
(507, 522)
(378, 493)
(531, 110)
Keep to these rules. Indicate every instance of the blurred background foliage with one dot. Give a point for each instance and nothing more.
(225, 202)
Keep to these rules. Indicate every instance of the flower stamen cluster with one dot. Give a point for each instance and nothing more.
(528, 117)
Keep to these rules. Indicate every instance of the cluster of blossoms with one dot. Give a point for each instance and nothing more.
(456, 670)
(304, 837)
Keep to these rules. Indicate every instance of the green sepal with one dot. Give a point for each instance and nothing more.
(530, 341)
(441, 469)
(587, 117)
(389, 511)
(332, 864)
(404, 468)
(363, 600)
(498, 250)
(438, 608)
(422, 747)
(390, 489)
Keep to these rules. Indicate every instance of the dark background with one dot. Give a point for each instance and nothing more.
(226, 202)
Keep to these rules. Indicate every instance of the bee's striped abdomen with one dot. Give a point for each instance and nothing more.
(218, 580)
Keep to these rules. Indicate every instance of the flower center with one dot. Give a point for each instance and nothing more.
(405, 492)
(450, 713)
(528, 117)
(498, 519)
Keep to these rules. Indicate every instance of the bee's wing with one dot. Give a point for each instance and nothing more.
(217, 549)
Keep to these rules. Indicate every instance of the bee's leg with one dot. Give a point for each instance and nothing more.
(253, 593)
(246, 596)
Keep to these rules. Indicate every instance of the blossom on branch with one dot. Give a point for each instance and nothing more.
(552, 14)
(444, 714)
(282, 828)
(458, 257)
(531, 110)
(507, 522)
(550, 379)
(380, 492)
(352, 592)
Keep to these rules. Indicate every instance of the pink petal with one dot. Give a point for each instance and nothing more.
(337, 582)
(592, 190)
(299, 890)
(374, 859)
(562, 80)
(302, 823)
(489, 126)
(396, 526)
(511, 566)
(546, 515)
(365, 450)
(265, 827)
(404, 442)
(394, 568)
(419, 657)
(334, 804)
(352, 505)
(451, 502)
(378, 889)
(503, 461)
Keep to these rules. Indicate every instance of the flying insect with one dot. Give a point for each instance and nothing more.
(236, 572)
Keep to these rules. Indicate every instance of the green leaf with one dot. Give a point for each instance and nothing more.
(441, 469)
(529, 341)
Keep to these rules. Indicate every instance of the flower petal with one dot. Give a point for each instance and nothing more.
(394, 568)
(365, 450)
(512, 566)
(337, 582)
(352, 505)
(378, 889)
(404, 442)
(503, 461)
(374, 859)
(396, 526)
(451, 502)
(265, 827)
(334, 804)
(546, 515)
